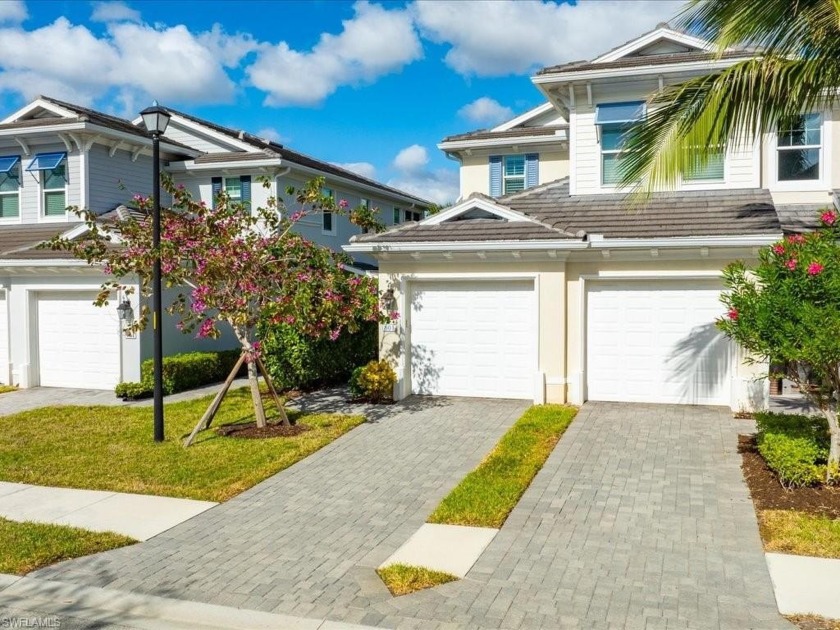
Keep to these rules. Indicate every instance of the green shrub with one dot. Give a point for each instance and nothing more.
(181, 372)
(297, 361)
(794, 447)
(376, 381)
(353, 384)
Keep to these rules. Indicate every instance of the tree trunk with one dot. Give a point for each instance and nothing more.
(253, 376)
(833, 467)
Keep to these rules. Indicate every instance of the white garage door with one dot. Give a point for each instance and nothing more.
(4, 341)
(78, 343)
(473, 339)
(656, 341)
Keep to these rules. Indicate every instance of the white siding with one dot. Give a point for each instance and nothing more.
(193, 139)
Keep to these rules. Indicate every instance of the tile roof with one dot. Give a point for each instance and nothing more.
(516, 132)
(20, 242)
(645, 60)
(465, 231)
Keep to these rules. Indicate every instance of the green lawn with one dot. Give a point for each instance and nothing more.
(25, 547)
(402, 579)
(486, 496)
(7, 388)
(788, 531)
(111, 448)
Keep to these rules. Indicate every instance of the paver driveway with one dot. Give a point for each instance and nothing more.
(640, 519)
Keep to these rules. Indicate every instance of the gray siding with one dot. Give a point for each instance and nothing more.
(115, 180)
(192, 139)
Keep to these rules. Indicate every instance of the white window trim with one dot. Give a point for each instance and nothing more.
(224, 187)
(333, 231)
(42, 217)
(19, 217)
(825, 151)
(397, 215)
(407, 213)
(708, 184)
(506, 177)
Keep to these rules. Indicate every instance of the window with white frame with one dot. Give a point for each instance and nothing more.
(413, 215)
(9, 187)
(712, 170)
(613, 120)
(397, 216)
(233, 188)
(52, 172)
(799, 149)
(327, 219)
(513, 173)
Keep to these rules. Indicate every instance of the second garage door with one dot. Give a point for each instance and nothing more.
(656, 341)
(473, 339)
(78, 343)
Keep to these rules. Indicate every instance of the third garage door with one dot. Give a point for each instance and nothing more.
(656, 341)
(473, 339)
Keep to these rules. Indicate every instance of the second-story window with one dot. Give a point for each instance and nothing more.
(364, 203)
(51, 170)
(397, 216)
(513, 173)
(9, 187)
(237, 189)
(327, 219)
(799, 149)
(712, 171)
(233, 188)
(413, 215)
(613, 120)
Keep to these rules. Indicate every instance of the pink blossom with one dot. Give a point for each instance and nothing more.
(206, 328)
(297, 216)
(334, 334)
(733, 314)
(779, 249)
(829, 217)
(343, 204)
(815, 268)
(393, 315)
(791, 264)
(796, 238)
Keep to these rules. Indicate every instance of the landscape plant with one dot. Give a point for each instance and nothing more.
(786, 311)
(230, 266)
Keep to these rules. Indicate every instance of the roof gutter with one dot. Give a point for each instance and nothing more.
(606, 73)
(460, 145)
(180, 166)
(597, 241)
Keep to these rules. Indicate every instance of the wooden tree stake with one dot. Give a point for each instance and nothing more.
(270, 383)
(208, 416)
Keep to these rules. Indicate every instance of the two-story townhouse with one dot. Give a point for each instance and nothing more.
(55, 154)
(561, 290)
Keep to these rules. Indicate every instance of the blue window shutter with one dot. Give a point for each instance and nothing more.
(532, 170)
(245, 180)
(217, 188)
(495, 175)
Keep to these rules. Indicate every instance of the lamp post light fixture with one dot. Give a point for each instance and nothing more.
(125, 312)
(156, 119)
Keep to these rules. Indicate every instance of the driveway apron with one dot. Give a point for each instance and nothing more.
(639, 519)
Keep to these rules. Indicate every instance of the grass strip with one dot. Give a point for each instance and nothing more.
(25, 547)
(7, 388)
(111, 448)
(402, 579)
(788, 531)
(486, 496)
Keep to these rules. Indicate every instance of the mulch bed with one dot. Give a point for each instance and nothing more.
(769, 494)
(251, 431)
(808, 622)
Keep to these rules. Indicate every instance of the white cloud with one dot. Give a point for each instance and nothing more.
(365, 169)
(114, 12)
(12, 12)
(500, 37)
(131, 62)
(229, 49)
(412, 159)
(374, 42)
(270, 133)
(437, 185)
(485, 111)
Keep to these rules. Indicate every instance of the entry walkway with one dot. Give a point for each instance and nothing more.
(639, 519)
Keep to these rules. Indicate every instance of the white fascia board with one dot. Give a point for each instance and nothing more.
(466, 246)
(483, 204)
(585, 75)
(190, 165)
(458, 145)
(523, 118)
(353, 184)
(652, 37)
(758, 240)
(23, 111)
(46, 263)
(42, 130)
(130, 137)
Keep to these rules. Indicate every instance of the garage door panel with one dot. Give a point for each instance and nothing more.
(656, 342)
(473, 339)
(78, 343)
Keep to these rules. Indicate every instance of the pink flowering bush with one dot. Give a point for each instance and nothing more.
(786, 310)
(231, 266)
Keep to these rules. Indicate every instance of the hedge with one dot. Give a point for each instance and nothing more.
(299, 362)
(182, 372)
(794, 447)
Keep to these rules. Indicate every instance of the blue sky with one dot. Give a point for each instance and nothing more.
(373, 86)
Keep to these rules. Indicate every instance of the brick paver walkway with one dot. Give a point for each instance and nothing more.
(640, 519)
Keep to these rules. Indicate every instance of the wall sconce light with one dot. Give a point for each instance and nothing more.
(125, 313)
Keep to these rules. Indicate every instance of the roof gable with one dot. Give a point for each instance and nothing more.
(477, 206)
(663, 40)
(40, 108)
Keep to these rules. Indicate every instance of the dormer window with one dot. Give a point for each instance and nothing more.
(613, 120)
(9, 187)
(513, 173)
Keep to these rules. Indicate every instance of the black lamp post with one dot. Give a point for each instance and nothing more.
(156, 119)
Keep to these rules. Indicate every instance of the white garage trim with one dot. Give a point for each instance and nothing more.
(5, 339)
(408, 284)
(676, 290)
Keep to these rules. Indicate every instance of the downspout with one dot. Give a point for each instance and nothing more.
(275, 185)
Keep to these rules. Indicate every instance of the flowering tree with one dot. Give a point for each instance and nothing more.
(233, 267)
(787, 311)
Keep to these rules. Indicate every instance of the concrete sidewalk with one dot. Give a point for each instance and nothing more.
(139, 516)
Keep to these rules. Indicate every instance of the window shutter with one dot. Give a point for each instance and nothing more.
(217, 188)
(245, 180)
(495, 175)
(532, 170)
